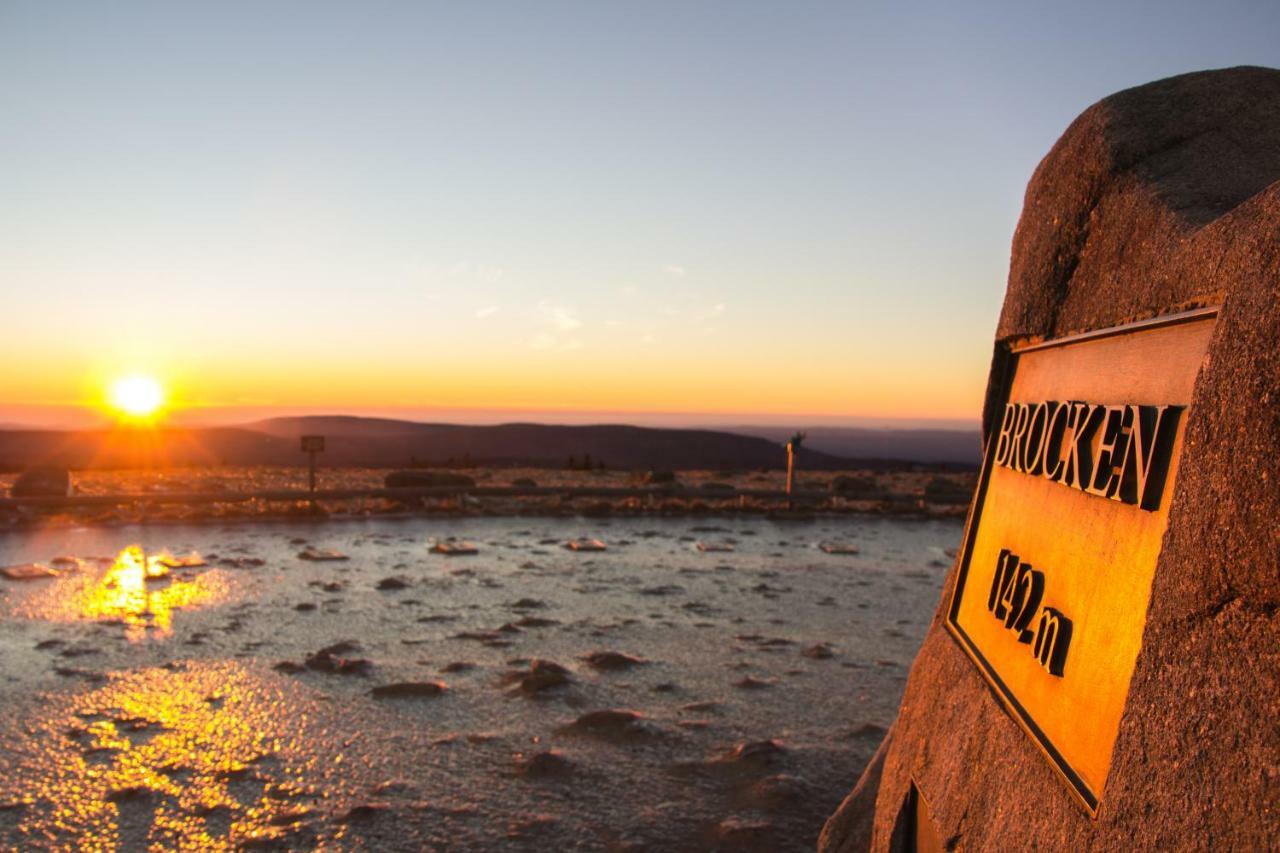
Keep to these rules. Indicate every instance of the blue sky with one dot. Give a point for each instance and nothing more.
(793, 211)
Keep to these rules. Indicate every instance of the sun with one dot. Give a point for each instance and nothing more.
(136, 396)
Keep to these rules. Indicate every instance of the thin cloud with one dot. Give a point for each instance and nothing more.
(487, 312)
(560, 318)
(558, 322)
(675, 270)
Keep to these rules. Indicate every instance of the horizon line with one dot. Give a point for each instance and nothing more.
(72, 417)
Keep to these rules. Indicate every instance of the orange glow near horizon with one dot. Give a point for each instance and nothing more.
(729, 386)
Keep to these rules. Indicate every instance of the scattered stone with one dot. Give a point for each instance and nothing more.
(542, 675)
(127, 794)
(455, 548)
(241, 562)
(662, 590)
(28, 572)
(321, 555)
(329, 660)
(756, 754)
(290, 816)
(818, 651)
(610, 724)
(409, 690)
(837, 548)
(701, 707)
(482, 636)
(191, 561)
(393, 584)
(612, 661)
(457, 666)
(541, 765)
(42, 481)
(780, 791)
(535, 622)
(289, 667)
(76, 672)
(735, 833)
(363, 813)
(748, 682)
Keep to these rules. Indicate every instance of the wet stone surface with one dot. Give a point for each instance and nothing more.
(214, 689)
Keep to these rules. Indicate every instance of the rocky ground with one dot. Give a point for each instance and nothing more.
(901, 493)
(698, 685)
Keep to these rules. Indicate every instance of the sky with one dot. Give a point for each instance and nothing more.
(697, 212)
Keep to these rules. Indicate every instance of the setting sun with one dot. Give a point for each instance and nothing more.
(136, 396)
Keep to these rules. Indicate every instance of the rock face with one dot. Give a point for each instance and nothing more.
(1158, 199)
(42, 481)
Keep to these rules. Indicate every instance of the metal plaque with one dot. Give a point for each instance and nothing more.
(1061, 545)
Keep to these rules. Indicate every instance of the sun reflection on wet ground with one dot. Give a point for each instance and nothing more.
(135, 589)
(193, 756)
(652, 696)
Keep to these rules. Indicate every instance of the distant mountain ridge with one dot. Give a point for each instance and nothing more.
(542, 445)
(958, 446)
(388, 443)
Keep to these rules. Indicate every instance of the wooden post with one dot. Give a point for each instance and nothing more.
(793, 447)
(311, 445)
(791, 468)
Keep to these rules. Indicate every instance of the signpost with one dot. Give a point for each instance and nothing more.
(311, 445)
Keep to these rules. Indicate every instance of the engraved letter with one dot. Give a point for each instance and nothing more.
(1002, 442)
(1147, 456)
(1053, 461)
(1019, 438)
(1028, 589)
(1033, 454)
(1005, 565)
(1100, 483)
(1120, 456)
(1076, 472)
(1053, 636)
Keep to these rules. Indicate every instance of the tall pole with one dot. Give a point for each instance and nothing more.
(793, 447)
(311, 455)
(791, 468)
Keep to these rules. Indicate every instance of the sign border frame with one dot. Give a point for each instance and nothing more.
(1080, 791)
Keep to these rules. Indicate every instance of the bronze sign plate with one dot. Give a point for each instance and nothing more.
(1051, 595)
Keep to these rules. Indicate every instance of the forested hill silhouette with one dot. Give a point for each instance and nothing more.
(385, 443)
(353, 440)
